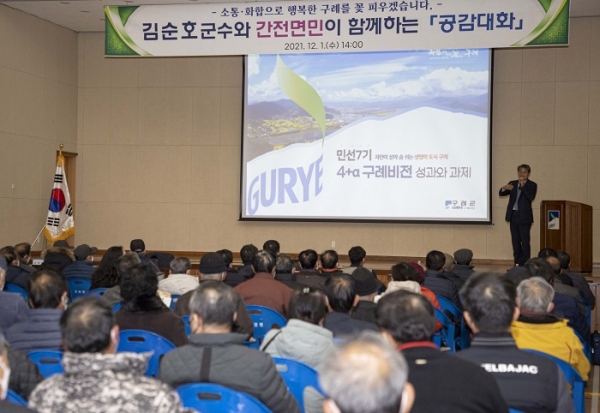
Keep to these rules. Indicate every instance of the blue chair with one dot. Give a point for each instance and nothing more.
(13, 288)
(514, 411)
(463, 340)
(447, 335)
(574, 379)
(78, 287)
(209, 397)
(14, 398)
(174, 298)
(117, 306)
(186, 324)
(140, 341)
(48, 362)
(264, 319)
(587, 347)
(297, 376)
(97, 292)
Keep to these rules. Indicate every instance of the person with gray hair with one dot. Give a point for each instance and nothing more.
(217, 355)
(538, 329)
(366, 375)
(180, 279)
(285, 272)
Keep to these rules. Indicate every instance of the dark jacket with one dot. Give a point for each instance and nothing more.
(24, 374)
(566, 307)
(246, 271)
(445, 383)
(463, 271)
(312, 278)
(527, 196)
(230, 364)
(583, 286)
(234, 278)
(442, 287)
(289, 280)
(83, 269)
(13, 309)
(342, 324)
(161, 321)
(543, 390)
(18, 276)
(365, 310)
(40, 332)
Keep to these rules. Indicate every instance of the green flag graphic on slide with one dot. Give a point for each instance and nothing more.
(301, 93)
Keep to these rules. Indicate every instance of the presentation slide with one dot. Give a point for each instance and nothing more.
(401, 136)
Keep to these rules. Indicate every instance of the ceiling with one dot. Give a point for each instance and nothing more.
(88, 15)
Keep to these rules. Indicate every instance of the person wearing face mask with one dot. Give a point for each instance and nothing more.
(48, 298)
(97, 379)
(5, 406)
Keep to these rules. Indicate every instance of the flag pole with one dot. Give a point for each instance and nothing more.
(38, 236)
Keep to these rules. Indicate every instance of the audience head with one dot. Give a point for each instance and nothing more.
(212, 267)
(107, 274)
(180, 265)
(125, 262)
(449, 262)
(547, 252)
(247, 253)
(489, 302)
(24, 251)
(308, 304)
(284, 264)
(365, 284)
(406, 317)
(435, 260)
(84, 252)
(48, 289)
(139, 284)
(213, 308)
(57, 258)
(329, 260)
(405, 272)
(138, 246)
(366, 375)
(564, 258)
(463, 256)
(420, 271)
(308, 259)
(88, 326)
(227, 257)
(539, 267)
(517, 274)
(271, 246)
(11, 255)
(555, 264)
(341, 292)
(357, 256)
(536, 295)
(264, 261)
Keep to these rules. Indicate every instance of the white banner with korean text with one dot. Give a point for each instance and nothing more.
(325, 27)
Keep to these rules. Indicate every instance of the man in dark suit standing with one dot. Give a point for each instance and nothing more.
(519, 214)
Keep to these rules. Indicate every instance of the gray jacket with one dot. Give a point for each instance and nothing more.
(104, 383)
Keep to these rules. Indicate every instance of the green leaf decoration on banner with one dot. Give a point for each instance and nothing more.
(118, 41)
(301, 93)
(554, 27)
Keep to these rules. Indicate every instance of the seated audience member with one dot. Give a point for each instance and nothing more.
(58, 257)
(563, 288)
(48, 296)
(113, 294)
(262, 289)
(13, 308)
(144, 310)
(106, 275)
(303, 338)
(342, 298)
(83, 264)
(463, 268)
(216, 355)
(448, 272)
(517, 274)
(309, 274)
(6, 373)
(285, 271)
(14, 273)
(24, 251)
(247, 254)
(329, 263)
(25, 374)
(366, 375)
(179, 281)
(212, 268)
(540, 330)
(272, 247)
(440, 379)
(366, 287)
(436, 281)
(357, 256)
(578, 280)
(139, 247)
(97, 379)
(547, 254)
(233, 278)
(405, 277)
(564, 306)
(528, 382)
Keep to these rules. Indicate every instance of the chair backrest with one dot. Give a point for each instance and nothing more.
(574, 379)
(78, 287)
(447, 335)
(449, 307)
(514, 411)
(174, 298)
(297, 376)
(14, 398)
(48, 362)
(97, 292)
(186, 324)
(117, 306)
(141, 341)
(264, 319)
(13, 288)
(209, 397)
